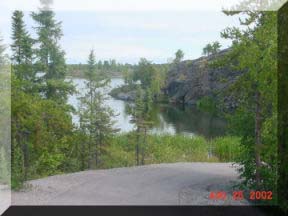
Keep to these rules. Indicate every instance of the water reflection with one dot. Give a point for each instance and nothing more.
(167, 118)
(189, 121)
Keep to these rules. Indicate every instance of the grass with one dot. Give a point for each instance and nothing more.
(170, 149)
(226, 148)
(120, 152)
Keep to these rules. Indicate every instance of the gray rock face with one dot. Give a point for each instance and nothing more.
(191, 80)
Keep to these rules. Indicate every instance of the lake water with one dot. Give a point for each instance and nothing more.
(168, 118)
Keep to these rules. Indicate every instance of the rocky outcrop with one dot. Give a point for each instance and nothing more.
(126, 96)
(125, 92)
(191, 80)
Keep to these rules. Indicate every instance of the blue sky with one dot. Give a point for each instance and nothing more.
(129, 35)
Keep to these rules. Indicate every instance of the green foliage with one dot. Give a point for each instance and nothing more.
(22, 53)
(95, 116)
(170, 149)
(48, 125)
(282, 115)
(128, 76)
(41, 123)
(207, 104)
(212, 48)
(22, 43)
(17, 166)
(50, 57)
(255, 51)
(158, 81)
(144, 72)
(112, 69)
(150, 75)
(179, 55)
(226, 148)
(177, 148)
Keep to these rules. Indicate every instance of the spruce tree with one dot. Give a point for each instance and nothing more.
(141, 117)
(22, 54)
(50, 56)
(96, 117)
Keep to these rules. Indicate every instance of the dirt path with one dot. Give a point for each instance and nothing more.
(162, 184)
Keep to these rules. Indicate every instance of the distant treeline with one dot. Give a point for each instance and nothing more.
(111, 67)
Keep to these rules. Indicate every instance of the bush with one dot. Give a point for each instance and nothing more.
(206, 104)
(226, 148)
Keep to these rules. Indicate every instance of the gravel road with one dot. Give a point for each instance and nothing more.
(161, 184)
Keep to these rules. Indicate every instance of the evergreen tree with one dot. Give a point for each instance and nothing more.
(137, 118)
(41, 127)
(106, 65)
(50, 57)
(96, 117)
(100, 65)
(141, 117)
(21, 47)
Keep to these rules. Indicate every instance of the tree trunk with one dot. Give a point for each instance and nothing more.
(257, 137)
(137, 147)
(143, 147)
(89, 152)
(82, 156)
(98, 150)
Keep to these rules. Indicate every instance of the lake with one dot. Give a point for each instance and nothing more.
(168, 118)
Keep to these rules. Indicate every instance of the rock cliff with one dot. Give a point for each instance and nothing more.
(191, 80)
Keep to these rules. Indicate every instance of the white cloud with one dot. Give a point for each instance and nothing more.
(128, 36)
(129, 5)
(173, 21)
(77, 49)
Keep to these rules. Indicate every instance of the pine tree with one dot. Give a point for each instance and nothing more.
(41, 125)
(50, 56)
(96, 117)
(137, 115)
(22, 54)
(141, 117)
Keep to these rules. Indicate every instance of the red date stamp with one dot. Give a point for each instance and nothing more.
(260, 195)
(239, 195)
(218, 195)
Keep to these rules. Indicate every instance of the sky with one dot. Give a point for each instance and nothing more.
(127, 35)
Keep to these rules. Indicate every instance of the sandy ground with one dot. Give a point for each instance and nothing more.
(161, 184)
